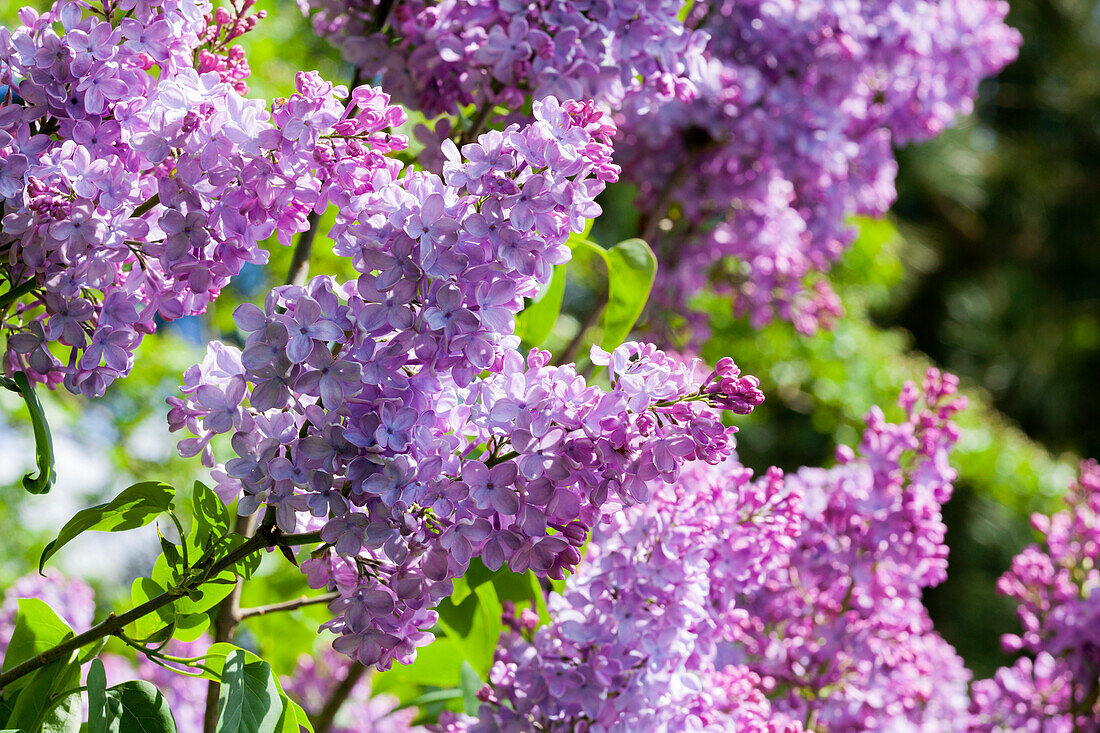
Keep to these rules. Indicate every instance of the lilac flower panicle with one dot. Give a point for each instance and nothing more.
(757, 126)
(394, 414)
(1056, 584)
(632, 641)
(136, 179)
(837, 633)
(439, 57)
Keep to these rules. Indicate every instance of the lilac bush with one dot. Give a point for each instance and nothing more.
(390, 424)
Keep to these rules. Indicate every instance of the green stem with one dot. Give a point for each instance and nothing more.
(247, 613)
(113, 624)
(145, 206)
(16, 292)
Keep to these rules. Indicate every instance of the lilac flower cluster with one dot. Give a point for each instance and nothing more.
(837, 633)
(1057, 586)
(313, 682)
(393, 413)
(136, 180)
(753, 128)
(633, 640)
(790, 132)
(441, 56)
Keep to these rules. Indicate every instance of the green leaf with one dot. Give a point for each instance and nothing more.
(64, 715)
(192, 626)
(138, 707)
(535, 322)
(37, 628)
(170, 552)
(437, 665)
(135, 507)
(470, 683)
(43, 441)
(150, 626)
(209, 515)
(202, 600)
(249, 699)
(475, 626)
(40, 704)
(539, 597)
(97, 698)
(631, 268)
(445, 695)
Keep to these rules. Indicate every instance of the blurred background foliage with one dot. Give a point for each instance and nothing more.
(989, 269)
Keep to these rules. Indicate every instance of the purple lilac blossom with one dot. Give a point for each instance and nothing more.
(441, 56)
(791, 132)
(753, 128)
(364, 408)
(1057, 586)
(136, 180)
(837, 632)
(633, 640)
(313, 681)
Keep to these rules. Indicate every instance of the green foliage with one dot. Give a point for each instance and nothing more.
(631, 268)
(260, 691)
(248, 700)
(448, 672)
(282, 637)
(135, 507)
(209, 517)
(97, 698)
(616, 283)
(138, 707)
(42, 700)
(536, 321)
(37, 628)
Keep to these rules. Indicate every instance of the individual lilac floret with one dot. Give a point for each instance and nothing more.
(136, 180)
(1057, 586)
